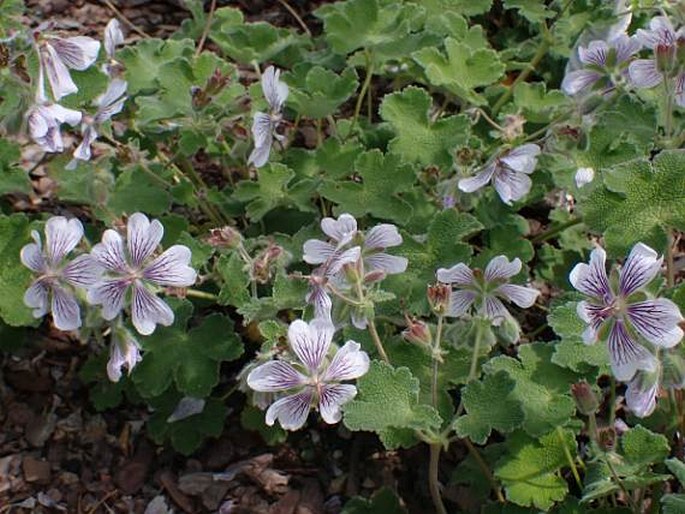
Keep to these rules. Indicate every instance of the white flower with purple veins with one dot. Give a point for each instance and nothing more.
(131, 266)
(624, 312)
(109, 104)
(124, 352)
(59, 55)
(642, 392)
(44, 123)
(667, 45)
(509, 174)
(313, 381)
(113, 37)
(265, 124)
(603, 64)
(481, 291)
(52, 289)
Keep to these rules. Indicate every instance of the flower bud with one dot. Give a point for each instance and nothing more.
(586, 400)
(417, 332)
(665, 58)
(439, 298)
(374, 276)
(224, 237)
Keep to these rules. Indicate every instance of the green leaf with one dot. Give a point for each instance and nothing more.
(673, 504)
(88, 184)
(383, 501)
(235, 280)
(536, 103)
(442, 8)
(370, 24)
(253, 419)
(317, 92)
(572, 352)
(135, 190)
(201, 251)
(383, 180)
(273, 189)
(490, 405)
(13, 179)
(144, 60)
(677, 467)
(542, 388)
(15, 278)
(642, 201)
(384, 385)
(642, 447)
(189, 358)
(104, 393)
(533, 10)
(188, 434)
(254, 42)
(462, 69)
(418, 139)
(530, 471)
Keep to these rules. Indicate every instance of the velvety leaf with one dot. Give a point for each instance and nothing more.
(15, 278)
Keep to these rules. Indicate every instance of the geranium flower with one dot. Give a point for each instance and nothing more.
(124, 352)
(624, 312)
(665, 42)
(482, 291)
(113, 37)
(642, 392)
(603, 61)
(349, 246)
(313, 381)
(58, 55)
(109, 104)
(265, 124)
(132, 267)
(52, 290)
(44, 121)
(509, 174)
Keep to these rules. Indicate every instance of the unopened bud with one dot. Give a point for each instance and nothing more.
(374, 276)
(665, 58)
(224, 237)
(586, 400)
(263, 264)
(439, 298)
(417, 332)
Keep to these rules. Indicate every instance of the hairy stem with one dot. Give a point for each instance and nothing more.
(436, 362)
(377, 341)
(433, 478)
(196, 293)
(670, 265)
(485, 469)
(555, 231)
(205, 31)
(362, 92)
(569, 458)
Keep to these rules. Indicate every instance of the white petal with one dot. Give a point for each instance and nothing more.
(644, 73)
(260, 155)
(661, 32)
(522, 159)
(262, 130)
(65, 310)
(83, 151)
(579, 80)
(348, 363)
(333, 396)
(113, 37)
(383, 236)
(186, 408)
(657, 321)
(83, 271)
(499, 268)
(460, 302)
(64, 115)
(342, 230)
(110, 102)
(471, 184)
(641, 394)
(591, 279)
(459, 274)
(36, 298)
(172, 268)
(350, 256)
(111, 295)
(511, 185)
(626, 47)
(275, 376)
(640, 268)
(290, 411)
(31, 256)
(78, 53)
(58, 74)
(494, 310)
(142, 237)
(584, 176)
(147, 310)
(110, 252)
(522, 296)
(627, 356)
(317, 252)
(310, 342)
(390, 264)
(61, 237)
(275, 90)
(596, 53)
